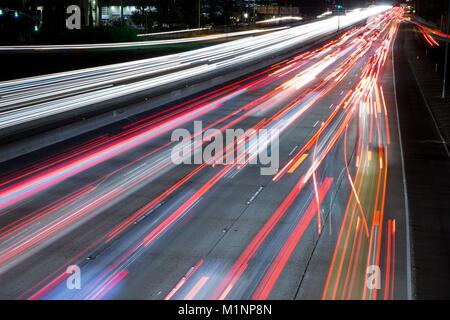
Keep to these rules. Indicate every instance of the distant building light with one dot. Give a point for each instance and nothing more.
(246, 15)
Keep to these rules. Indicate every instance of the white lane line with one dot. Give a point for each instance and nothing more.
(315, 124)
(409, 284)
(255, 195)
(192, 207)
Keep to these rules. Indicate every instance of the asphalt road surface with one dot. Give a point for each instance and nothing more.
(330, 223)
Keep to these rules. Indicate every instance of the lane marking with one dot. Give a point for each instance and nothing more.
(298, 163)
(441, 137)
(409, 284)
(293, 150)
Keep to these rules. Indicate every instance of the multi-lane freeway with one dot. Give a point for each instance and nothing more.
(330, 223)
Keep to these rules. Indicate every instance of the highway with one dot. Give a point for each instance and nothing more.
(139, 226)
